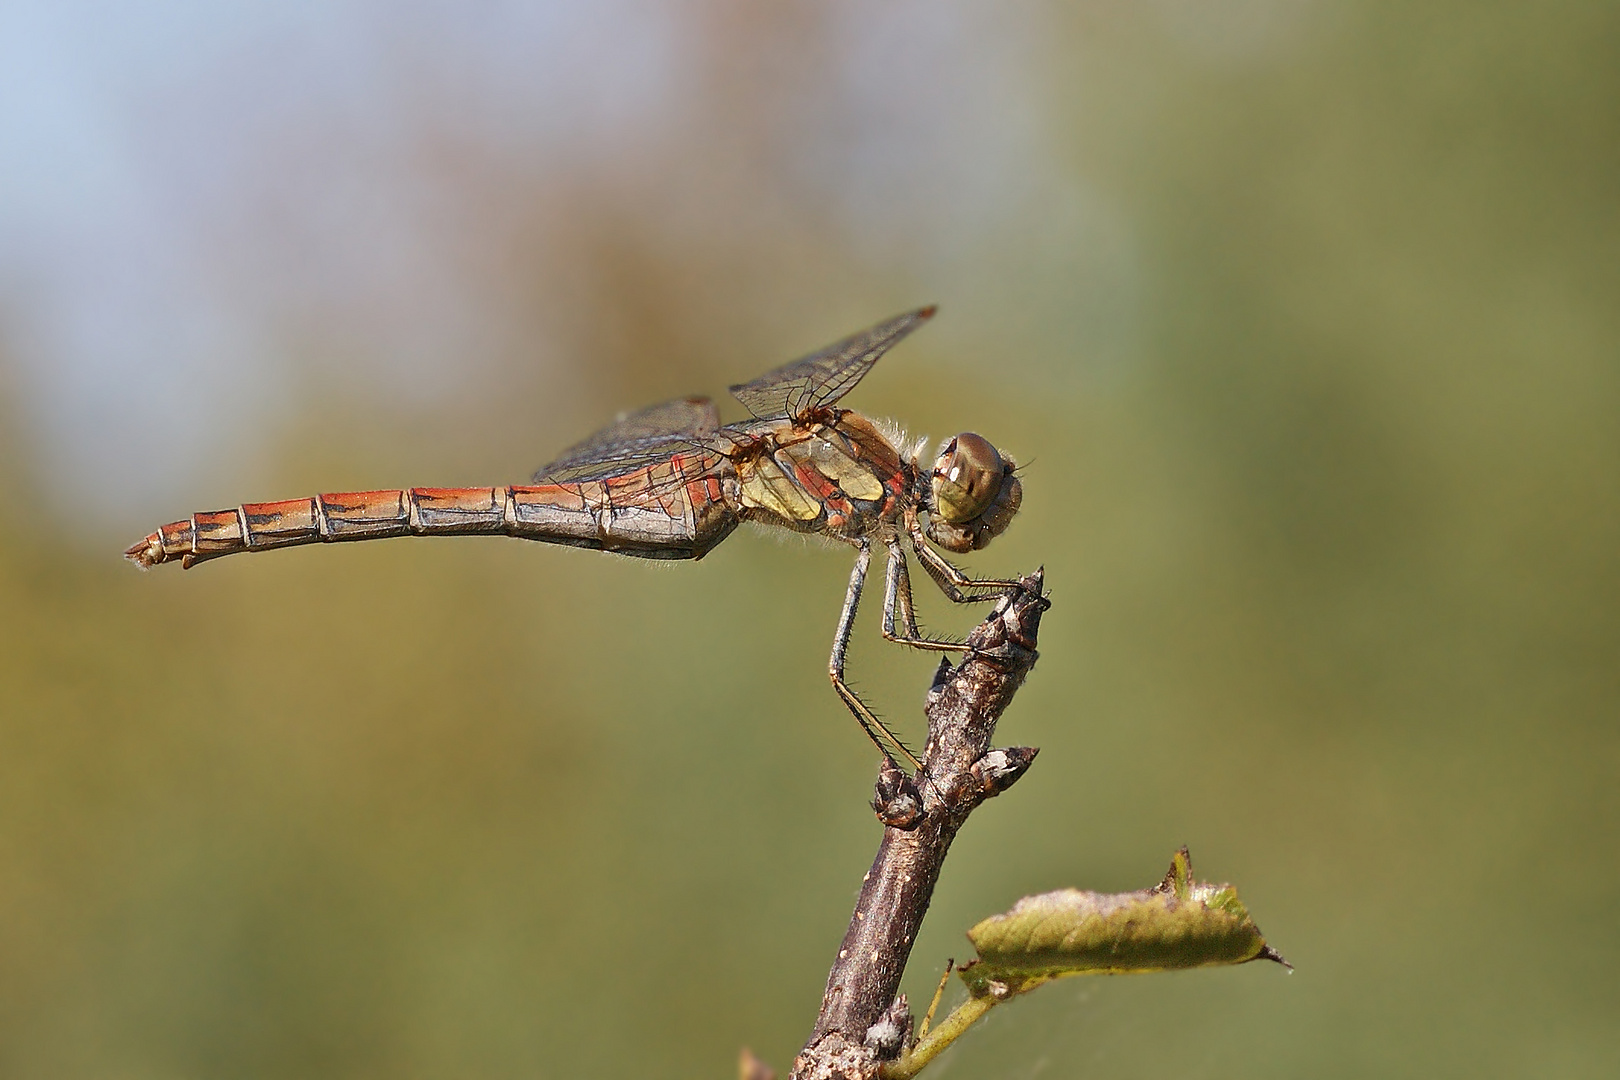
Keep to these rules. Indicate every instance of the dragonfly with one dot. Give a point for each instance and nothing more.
(671, 482)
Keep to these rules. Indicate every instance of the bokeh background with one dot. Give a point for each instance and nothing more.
(1303, 314)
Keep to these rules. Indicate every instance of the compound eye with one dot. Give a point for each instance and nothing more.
(967, 477)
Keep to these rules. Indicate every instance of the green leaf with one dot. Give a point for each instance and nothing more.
(1179, 923)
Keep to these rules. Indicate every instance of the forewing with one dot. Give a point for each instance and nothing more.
(798, 389)
(642, 438)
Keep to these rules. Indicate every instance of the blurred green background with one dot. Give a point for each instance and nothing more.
(1303, 315)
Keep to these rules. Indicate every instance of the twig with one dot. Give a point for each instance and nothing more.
(863, 1022)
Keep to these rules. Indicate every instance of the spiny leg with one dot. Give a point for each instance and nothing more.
(949, 578)
(875, 729)
(897, 597)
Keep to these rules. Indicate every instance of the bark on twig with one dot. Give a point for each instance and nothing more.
(863, 1022)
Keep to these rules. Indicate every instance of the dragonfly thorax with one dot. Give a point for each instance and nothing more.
(842, 479)
(974, 492)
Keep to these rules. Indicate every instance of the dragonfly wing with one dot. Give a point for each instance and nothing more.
(635, 440)
(816, 381)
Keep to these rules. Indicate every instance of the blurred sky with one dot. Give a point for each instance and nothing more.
(1299, 314)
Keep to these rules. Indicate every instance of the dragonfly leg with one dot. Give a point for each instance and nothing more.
(949, 578)
(897, 598)
(875, 729)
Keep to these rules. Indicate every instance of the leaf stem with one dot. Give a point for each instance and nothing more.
(931, 1045)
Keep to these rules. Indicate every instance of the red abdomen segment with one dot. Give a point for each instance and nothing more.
(652, 513)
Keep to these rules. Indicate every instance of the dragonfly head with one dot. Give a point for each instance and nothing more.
(975, 494)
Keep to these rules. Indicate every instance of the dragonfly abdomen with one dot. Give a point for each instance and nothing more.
(349, 515)
(633, 515)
